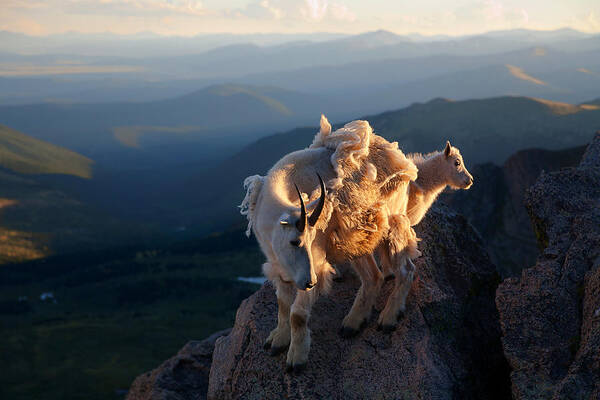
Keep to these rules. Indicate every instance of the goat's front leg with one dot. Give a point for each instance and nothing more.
(396, 303)
(371, 280)
(297, 355)
(279, 338)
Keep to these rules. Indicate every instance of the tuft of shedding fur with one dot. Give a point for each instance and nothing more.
(350, 145)
(371, 172)
(253, 185)
(362, 204)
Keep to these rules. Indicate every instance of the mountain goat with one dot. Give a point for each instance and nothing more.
(301, 235)
(399, 245)
(436, 171)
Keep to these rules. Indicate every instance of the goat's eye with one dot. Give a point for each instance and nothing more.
(457, 163)
(295, 242)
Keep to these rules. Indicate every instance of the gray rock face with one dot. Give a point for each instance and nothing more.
(446, 347)
(550, 316)
(494, 205)
(182, 377)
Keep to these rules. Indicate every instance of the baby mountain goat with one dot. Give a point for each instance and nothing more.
(436, 171)
(303, 234)
(399, 245)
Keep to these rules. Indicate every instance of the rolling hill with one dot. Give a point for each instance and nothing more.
(210, 119)
(25, 155)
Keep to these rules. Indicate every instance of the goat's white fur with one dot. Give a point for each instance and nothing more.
(437, 170)
(362, 172)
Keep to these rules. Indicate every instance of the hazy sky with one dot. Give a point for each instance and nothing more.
(189, 17)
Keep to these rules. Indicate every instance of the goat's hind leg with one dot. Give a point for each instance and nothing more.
(371, 280)
(400, 249)
(279, 338)
(396, 303)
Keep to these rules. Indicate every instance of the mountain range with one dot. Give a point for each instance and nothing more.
(165, 177)
(486, 130)
(319, 64)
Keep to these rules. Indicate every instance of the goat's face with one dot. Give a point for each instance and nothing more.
(292, 242)
(294, 251)
(457, 175)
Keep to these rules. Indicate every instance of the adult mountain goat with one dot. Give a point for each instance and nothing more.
(344, 219)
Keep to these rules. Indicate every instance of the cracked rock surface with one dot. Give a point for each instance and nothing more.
(446, 347)
(550, 316)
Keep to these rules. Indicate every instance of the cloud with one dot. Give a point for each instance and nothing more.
(592, 22)
(135, 7)
(495, 10)
(586, 21)
(299, 10)
(263, 9)
(489, 15)
(25, 4)
(342, 13)
(315, 9)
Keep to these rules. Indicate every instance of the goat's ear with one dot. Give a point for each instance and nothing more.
(447, 149)
(325, 125)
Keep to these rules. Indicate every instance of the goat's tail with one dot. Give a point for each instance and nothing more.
(253, 185)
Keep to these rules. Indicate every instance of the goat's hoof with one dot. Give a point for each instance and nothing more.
(277, 350)
(267, 345)
(386, 328)
(389, 277)
(295, 368)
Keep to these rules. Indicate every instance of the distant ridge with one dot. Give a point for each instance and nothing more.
(485, 130)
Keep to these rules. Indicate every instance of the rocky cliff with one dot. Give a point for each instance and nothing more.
(550, 316)
(447, 346)
(495, 206)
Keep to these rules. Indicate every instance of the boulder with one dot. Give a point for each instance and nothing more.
(182, 377)
(447, 346)
(550, 315)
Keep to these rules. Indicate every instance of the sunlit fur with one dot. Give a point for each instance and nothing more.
(436, 171)
(363, 176)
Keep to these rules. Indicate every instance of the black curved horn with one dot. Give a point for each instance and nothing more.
(314, 217)
(301, 223)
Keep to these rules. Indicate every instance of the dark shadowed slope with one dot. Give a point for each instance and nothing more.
(37, 219)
